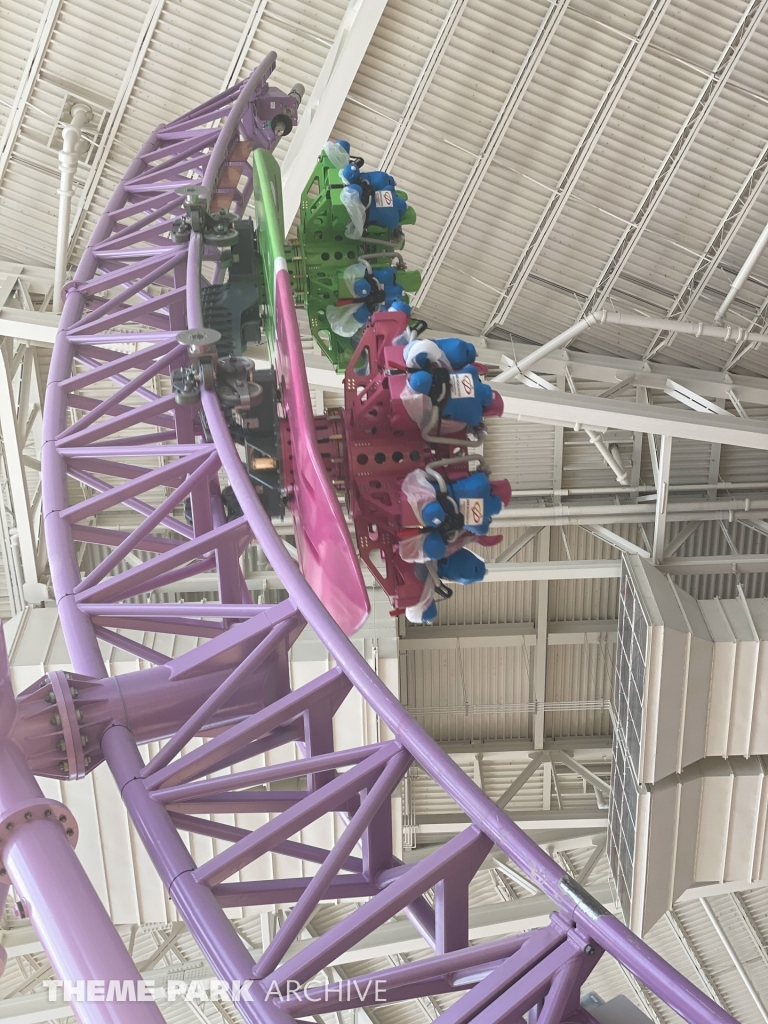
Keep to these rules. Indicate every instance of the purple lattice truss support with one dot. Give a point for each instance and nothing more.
(113, 439)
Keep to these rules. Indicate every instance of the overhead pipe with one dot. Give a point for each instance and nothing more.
(741, 278)
(69, 155)
(516, 368)
(610, 455)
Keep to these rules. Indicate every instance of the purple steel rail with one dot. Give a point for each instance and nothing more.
(233, 689)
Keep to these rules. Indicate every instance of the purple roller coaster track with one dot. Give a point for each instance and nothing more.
(113, 425)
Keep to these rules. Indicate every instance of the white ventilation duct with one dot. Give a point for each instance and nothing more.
(689, 789)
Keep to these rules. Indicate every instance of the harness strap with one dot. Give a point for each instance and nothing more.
(440, 390)
(454, 520)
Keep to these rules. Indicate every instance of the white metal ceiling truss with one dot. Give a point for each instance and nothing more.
(714, 85)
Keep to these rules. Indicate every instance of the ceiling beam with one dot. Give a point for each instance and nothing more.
(562, 192)
(738, 211)
(748, 509)
(733, 956)
(586, 748)
(507, 572)
(680, 538)
(41, 328)
(529, 821)
(247, 36)
(324, 104)
(509, 108)
(28, 80)
(34, 1008)
(36, 328)
(616, 541)
(705, 565)
(423, 82)
(512, 634)
(680, 934)
(708, 97)
(750, 926)
(577, 410)
(586, 569)
(114, 121)
(517, 545)
(633, 373)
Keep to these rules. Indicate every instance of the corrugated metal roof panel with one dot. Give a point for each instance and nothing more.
(462, 695)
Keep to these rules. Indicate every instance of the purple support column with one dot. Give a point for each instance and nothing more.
(68, 916)
(37, 858)
(452, 898)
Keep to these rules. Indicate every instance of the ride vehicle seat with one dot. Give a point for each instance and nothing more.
(460, 395)
(450, 353)
(460, 567)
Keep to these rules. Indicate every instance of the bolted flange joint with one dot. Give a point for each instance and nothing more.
(36, 809)
(60, 720)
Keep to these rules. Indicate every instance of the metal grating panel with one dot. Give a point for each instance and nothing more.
(629, 689)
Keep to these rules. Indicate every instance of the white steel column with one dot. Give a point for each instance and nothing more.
(662, 497)
(540, 657)
(17, 478)
(324, 105)
(734, 958)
